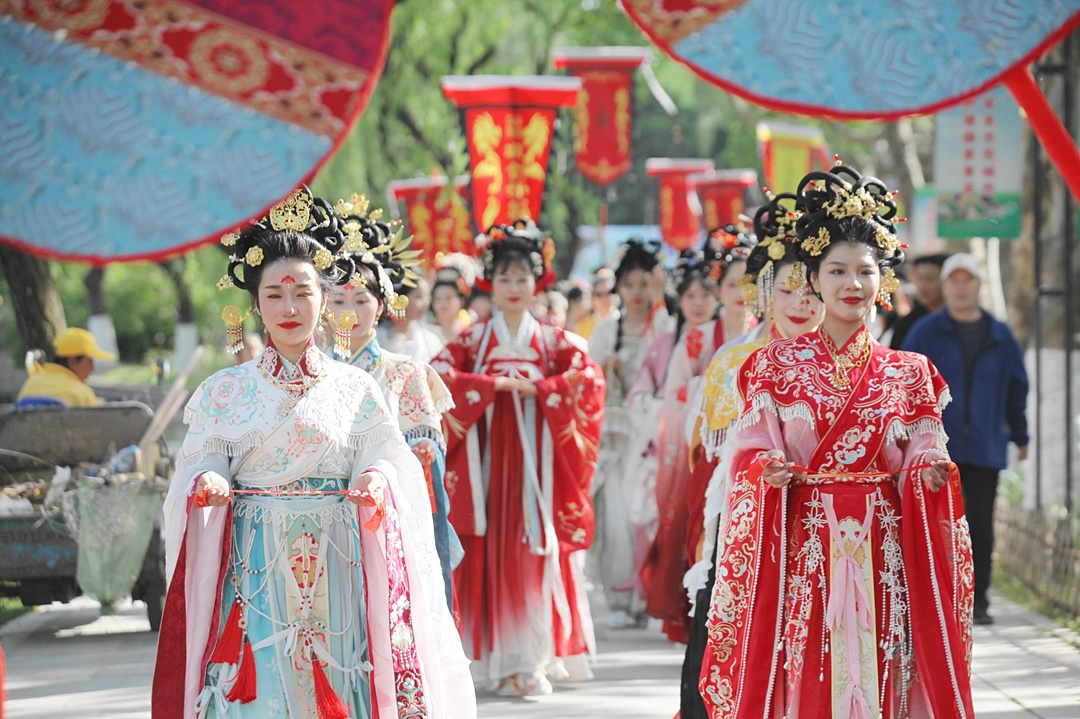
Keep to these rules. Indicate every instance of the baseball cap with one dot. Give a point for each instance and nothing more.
(76, 342)
(962, 261)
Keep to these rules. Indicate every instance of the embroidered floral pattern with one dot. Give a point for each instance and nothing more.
(694, 343)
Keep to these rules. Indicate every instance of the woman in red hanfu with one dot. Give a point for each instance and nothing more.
(673, 382)
(844, 577)
(521, 452)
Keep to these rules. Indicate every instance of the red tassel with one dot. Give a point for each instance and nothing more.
(227, 650)
(327, 701)
(243, 689)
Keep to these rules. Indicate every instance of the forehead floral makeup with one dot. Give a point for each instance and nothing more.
(288, 280)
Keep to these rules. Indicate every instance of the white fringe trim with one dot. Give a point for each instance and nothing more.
(238, 447)
(282, 515)
(423, 431)
(764, 401)
(378, 434)
(222, 446)
(944, 399)
(899, 430)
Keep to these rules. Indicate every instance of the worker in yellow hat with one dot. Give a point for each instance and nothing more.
(62, 381)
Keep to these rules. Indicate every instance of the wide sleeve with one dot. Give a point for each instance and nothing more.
(405, 585)
(936, 548)
(572, 404)
(471, 393)
(745, 605)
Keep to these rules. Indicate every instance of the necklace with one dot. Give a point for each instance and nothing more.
(294, 390)
(855, 356)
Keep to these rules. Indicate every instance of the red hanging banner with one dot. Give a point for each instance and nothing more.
(603, 113)
(722, 195)
(436, 215)
(680, 220)
(509, 122)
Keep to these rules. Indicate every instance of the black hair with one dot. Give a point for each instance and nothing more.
(66, 361)
(937, 259)
(520, 243)
(843, 206)
(322, 231)
(477, 294)
(452, 278)
(638, 255)
(511, 257)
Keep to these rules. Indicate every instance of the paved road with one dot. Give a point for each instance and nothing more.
(66, 662)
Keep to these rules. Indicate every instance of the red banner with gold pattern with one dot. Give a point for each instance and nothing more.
(722, 195)
(789, 151)
(680, 219)
(509, 122)
(603, 114)
(437, 215)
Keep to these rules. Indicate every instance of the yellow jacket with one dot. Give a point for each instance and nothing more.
(56, 381)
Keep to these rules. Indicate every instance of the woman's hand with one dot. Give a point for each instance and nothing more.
(368, 490)
(508, 384)
(212, 490)
(936, 475)
(776, 472)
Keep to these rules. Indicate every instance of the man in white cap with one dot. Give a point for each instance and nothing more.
(981, 360)
(63, 380)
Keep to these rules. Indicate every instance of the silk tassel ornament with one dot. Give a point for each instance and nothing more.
(244, 687)
(234, 328)
(229, 644)
(327, 702)
(343, 327)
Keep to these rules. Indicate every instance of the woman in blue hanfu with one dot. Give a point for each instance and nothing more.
(416, 396)
(304, 578)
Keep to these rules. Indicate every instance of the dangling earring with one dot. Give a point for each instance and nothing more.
(234, 327)
(343, 327)
(889, 285)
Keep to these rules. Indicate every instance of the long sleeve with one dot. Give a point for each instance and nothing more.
(572, 404)
(1016, 400)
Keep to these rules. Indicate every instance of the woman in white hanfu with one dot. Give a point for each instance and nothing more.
(304, 580)
(624, 490)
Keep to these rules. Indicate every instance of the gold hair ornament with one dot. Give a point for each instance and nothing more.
(234, 327)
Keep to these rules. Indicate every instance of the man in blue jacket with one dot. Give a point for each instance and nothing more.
(982, 362)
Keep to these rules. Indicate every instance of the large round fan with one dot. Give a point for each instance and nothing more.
(135, 130)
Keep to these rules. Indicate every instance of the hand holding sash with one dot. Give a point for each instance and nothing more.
(212, 490)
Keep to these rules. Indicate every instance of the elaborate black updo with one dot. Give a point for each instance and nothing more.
(521, 243)
(637, 255)
(845, 206)
(302, 227)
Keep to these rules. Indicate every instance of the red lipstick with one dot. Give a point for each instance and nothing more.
(288, 325)
(852, 300)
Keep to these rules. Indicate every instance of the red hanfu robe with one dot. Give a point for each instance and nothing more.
(519, 476)
(840, 596)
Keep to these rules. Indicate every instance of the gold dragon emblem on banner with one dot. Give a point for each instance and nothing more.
(521, 161)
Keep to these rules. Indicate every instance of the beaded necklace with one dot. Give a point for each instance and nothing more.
(854, 356)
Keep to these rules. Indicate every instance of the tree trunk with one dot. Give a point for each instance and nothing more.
(38, 310)
(186, 336)
(185, 310)
(94, 281)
